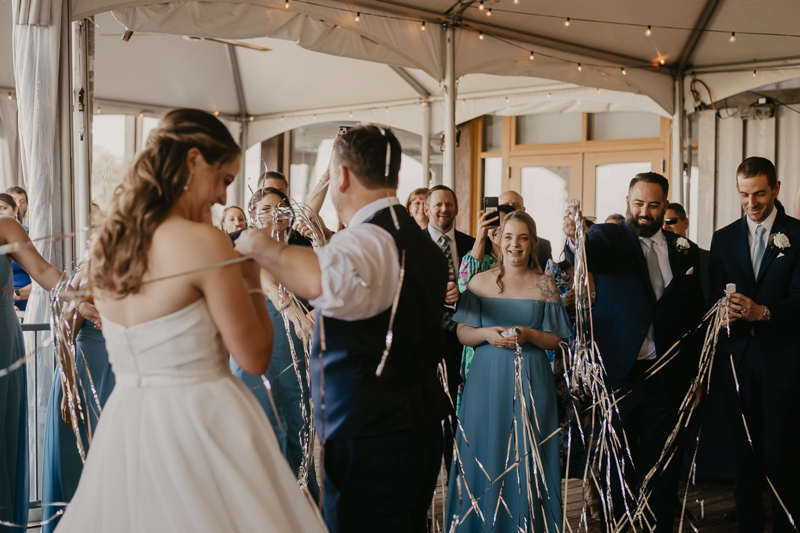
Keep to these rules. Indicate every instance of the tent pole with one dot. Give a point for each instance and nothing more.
(65, 136)
(450, 108)
(81, 137)
(678, 135)
(426, 144)
(240, 185)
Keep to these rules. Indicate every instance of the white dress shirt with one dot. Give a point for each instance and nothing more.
(751, 232)
(661, 247)
(360, 268)
(436, 235)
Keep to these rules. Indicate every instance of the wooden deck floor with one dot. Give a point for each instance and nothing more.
(710, 509)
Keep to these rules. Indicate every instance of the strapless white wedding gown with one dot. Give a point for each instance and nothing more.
(182, 445)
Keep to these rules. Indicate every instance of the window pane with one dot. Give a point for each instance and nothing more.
(492, 133)
(545, 191)
(492, 176)
(611, 187)
(549, 128)
(108, 156)
(623, 125)
(148, 125)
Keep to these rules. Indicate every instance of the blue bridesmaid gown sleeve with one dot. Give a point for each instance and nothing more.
(469, 310)
(556, 320)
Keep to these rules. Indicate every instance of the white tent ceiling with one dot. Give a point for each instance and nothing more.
(159, 69)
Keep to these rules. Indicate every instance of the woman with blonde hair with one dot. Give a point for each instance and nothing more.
(233, 219)
(182, 445)
(515, 295)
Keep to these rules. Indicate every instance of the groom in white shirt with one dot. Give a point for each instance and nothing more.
(378, 289)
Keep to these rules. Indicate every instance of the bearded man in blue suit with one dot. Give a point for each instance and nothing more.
(649, 295)
(760, 360)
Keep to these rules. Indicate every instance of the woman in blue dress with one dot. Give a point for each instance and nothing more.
(62, 465)
(14, 485)
(495, 431)
(271, 206)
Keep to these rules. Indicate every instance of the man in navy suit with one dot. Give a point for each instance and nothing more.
(441, 208)
(759, 254)
(650, 297)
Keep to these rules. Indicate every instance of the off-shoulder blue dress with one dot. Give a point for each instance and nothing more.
(491, 413)
(13, 409)
(61, 464)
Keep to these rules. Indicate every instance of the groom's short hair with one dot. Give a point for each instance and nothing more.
(758, 166)
(650, 177)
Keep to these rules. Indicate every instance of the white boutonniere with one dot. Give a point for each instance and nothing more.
(681, 245)
(779, 242)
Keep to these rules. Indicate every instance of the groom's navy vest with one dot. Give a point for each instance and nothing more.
(407, 395)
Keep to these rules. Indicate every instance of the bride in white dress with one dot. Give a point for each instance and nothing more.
(182, 446)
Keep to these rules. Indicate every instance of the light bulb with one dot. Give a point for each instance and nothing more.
(251, 118)
(661, 61)
(598, 91)
(385, 109)
(423, 26)
(281, 119)
(287, 4)
(580, 68)
(532, 56)
(480, 6)
(358, 16)
(216, 113)
(754, 73)
(314, 117)
(351, 114)
(489, 13)
(732, 38)
(480, 35)
(566, 22)
(549, 95)
(624, 72)
(463, 102)
(648, 31)
(506, 99)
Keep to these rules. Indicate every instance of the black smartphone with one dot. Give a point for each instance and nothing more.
(490, 205)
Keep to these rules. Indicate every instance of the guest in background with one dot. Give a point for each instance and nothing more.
(517, 294)
(441, 208)
(22, 281)
(416, 206)
(21, 198)
(270, 209)
(676, 221)
(544, 248)
(615, 218)
(14, 493)
(62, 465)
(233, 219)
(273, 180)
(481, 258)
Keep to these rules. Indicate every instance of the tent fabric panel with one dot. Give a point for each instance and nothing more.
(321, 29)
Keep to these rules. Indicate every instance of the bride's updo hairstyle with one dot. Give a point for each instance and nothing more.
(148, 191)
(533, 262)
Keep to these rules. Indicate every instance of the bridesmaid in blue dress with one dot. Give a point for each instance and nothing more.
(62, 466)
(14, 479)
(517, 294)
(281, 374)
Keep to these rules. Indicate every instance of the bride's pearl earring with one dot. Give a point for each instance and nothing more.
(189, 181)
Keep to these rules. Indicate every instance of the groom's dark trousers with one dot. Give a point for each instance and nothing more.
(766, 359)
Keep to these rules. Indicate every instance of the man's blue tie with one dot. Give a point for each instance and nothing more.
(758, 250)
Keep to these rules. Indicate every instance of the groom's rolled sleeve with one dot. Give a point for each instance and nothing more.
(360, 270)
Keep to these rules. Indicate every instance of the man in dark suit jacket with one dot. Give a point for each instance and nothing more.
(544, 250)
(441, 208)
(759, 253)
(676, 221)
(650, 297)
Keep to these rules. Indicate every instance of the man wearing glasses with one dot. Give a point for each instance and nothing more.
(676, 221)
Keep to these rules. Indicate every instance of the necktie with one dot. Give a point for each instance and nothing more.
(656, 278)
(758, 250)
(444, 244)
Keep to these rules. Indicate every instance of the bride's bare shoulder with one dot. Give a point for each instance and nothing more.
(187, 239)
